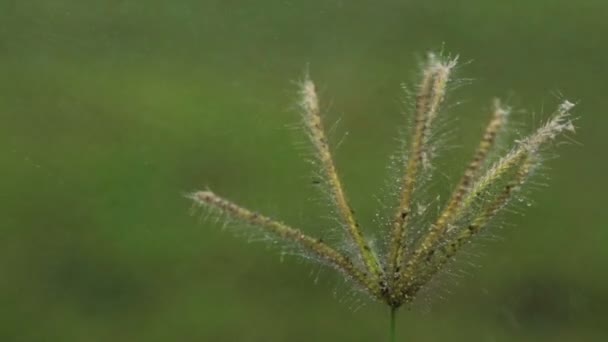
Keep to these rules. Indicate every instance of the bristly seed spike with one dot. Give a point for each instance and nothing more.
(430, 95)
(487, 143)
(311, 115)
(525, 149)
(309, 244)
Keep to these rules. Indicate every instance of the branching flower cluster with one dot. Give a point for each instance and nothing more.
(396, 275)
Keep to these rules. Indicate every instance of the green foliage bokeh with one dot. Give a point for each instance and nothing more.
(111, 111)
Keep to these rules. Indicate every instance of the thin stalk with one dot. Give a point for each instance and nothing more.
(392, 329)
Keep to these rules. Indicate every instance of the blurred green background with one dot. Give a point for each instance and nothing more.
(111, 110)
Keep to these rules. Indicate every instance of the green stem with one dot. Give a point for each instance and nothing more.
(392, 326)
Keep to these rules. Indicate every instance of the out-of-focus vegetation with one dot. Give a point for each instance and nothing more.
(110, 111)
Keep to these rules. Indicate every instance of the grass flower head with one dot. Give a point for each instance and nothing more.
(410, 261)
